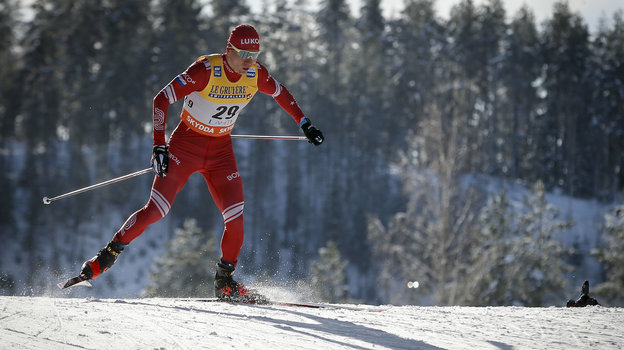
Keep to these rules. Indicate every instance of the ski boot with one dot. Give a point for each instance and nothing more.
(227, 289)
(102, 261)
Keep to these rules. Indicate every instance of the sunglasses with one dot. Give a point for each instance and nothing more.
(244, 54)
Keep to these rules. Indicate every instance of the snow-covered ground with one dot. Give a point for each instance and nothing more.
(69, 323)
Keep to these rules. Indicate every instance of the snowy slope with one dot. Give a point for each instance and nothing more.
(69, 323)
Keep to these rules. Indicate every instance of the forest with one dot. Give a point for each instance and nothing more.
(421, 114)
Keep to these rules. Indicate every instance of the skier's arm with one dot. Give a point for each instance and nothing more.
(268, 85)
(195, 78)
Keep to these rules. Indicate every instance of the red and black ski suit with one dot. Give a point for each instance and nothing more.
(202, 143)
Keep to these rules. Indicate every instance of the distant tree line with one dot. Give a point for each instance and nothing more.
(408, 105)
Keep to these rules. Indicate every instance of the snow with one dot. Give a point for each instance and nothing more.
(64, 323)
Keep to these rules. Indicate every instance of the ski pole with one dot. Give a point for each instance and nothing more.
(47, 200)
(270, 137)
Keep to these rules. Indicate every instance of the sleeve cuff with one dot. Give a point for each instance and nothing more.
(303, 121)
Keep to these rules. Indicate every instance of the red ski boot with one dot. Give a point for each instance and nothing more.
(102, 261)
(227, 289)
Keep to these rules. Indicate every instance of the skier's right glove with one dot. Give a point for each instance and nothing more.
(160, 160)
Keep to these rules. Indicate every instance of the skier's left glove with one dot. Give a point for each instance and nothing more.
(314, 135)
(160, 160)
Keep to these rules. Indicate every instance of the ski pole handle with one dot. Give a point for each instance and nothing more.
(47, 200)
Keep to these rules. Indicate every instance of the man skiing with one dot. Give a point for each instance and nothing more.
(215, 89)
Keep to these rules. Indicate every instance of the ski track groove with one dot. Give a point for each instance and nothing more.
(59, 319)
(158, 328)
(277, 319)
(3, 318)
(169, 321)
(136, 317)
(224, 311)
(28, 338)
(115, 335)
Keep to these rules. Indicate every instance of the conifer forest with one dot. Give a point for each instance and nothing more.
(431, 123)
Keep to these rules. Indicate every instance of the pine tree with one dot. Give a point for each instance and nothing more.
(415, 37)
(41, 86)
(488, 117)
(328, 277)
(458, 81)
(8, 104)
(178, 40)
(368, 134)
(518, 259)
(8, 110)
(226, 14)
(429, 241)
(184, 269)
(607, 109)
(537, 258)
(521, 69)
(611, 255)
(334, 24)
(565, 137)
(486, 281)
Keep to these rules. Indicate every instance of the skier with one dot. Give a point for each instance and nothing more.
(584, 299)
(216, 88)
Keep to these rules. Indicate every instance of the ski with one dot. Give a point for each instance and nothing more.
(74, 281)
(255, 302)
(292, 304)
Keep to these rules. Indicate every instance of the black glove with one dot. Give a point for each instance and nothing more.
(160, 160)
(314, 135)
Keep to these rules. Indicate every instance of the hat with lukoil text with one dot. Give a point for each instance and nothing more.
(245, 37)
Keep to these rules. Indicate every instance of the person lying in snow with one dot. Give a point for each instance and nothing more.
(584, 299)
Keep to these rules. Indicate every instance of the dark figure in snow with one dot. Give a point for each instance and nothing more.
(215, 89)
(584, 299)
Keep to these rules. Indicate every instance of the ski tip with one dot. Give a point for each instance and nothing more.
(76, 281)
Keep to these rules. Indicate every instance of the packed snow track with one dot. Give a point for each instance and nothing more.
(70, 323)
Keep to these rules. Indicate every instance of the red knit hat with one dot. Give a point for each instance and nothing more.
(245, 37)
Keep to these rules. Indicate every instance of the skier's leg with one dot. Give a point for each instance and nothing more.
(162, 196)
(226, 188)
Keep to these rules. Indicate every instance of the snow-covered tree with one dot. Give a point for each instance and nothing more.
(185, 268)
(538, 257)
(611, 255)
(328, 275)
(517, 259)
(429, 241)
(486, 282)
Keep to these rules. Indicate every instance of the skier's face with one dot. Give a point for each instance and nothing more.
(238, 64)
